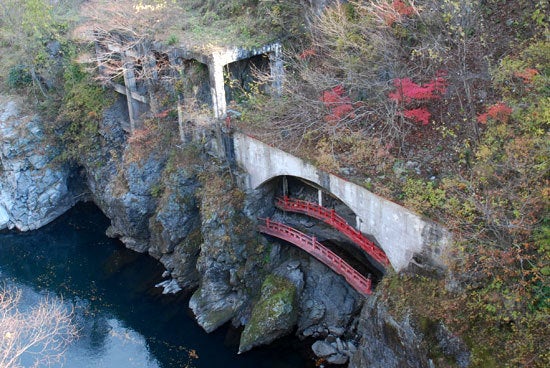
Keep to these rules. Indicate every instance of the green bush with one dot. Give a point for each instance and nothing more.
(77, 125)
(172, 40)
(423, 196)
(19, 76)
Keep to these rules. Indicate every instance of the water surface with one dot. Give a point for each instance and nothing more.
(124, 320)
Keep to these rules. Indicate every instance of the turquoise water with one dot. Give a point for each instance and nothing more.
(124, 320)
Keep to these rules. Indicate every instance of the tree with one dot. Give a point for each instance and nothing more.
(36, 336)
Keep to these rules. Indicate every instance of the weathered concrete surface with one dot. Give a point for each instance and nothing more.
(401, 233)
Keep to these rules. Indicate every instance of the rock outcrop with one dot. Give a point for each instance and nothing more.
(34, 188)
(231, 256)
(386, 341)
(273, 316)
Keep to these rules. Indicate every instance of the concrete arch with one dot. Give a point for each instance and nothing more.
(323, 196)
(404, 236)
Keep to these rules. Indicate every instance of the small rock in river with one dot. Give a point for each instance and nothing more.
(322, 349)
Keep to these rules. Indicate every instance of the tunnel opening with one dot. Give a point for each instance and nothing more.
(193, 82)
(241, 78)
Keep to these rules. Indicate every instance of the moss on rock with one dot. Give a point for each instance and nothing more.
(273, 316)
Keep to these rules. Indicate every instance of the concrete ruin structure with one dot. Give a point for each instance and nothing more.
(142, 64)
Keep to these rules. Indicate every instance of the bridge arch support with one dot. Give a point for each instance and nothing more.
(405, 236)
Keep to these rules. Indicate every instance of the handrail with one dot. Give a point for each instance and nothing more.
(308, 243)
(330, 217)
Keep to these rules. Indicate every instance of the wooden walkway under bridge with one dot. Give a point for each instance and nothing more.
(308, 243)
(330, 217)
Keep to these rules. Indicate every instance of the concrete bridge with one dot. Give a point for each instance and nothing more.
(404, 236)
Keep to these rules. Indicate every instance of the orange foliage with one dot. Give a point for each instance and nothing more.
(306, 54)
(499, 111)
(527, 75)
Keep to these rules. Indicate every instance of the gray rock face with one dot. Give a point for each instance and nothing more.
(333, 350)
(228, 258)
(151, 210)
(327, 301)
(34, 190)
(4, 218)
(386, 342)
(452, 346)
(323, 349)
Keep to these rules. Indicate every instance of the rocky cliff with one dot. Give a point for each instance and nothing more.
(34, 188)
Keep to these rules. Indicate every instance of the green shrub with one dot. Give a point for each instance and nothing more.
(172, 40)
(77, 125)
(423, 196)
(19, 76)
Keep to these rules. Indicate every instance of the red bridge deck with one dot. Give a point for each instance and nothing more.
(333, 219)
(308, 243)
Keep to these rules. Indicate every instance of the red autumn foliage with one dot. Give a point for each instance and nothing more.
(406, 90)
(339, 112)
(335, 96)
(499, 112)
(400, 7)
(338, 103)
(527, 75)
(394, 12)
(306, 54)
(420, 115)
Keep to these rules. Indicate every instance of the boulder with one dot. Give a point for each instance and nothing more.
(273, 316)
(323, 349)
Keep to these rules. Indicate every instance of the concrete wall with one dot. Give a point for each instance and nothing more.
(401, 233)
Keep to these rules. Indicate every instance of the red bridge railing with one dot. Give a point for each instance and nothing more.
(333, 219)
(308, 243)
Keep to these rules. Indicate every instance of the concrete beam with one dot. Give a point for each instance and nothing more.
(130, 86)
(277, 70)
(136, 96)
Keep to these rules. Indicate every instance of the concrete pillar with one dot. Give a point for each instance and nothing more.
(277, 70)
(320, 197)
(215, 69)
(149, 65)
(180, 117)
(285, 186)
(130, 86)
(358, 223)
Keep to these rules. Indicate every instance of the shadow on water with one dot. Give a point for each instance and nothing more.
(125, 320)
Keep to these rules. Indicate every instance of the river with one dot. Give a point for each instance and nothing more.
(123, 319)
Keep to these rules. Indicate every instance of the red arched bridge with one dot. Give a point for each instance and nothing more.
(330, 217)
(308, 243)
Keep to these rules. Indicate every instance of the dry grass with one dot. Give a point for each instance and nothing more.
(177, 23)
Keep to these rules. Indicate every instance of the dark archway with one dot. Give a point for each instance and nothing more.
(330, 237)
